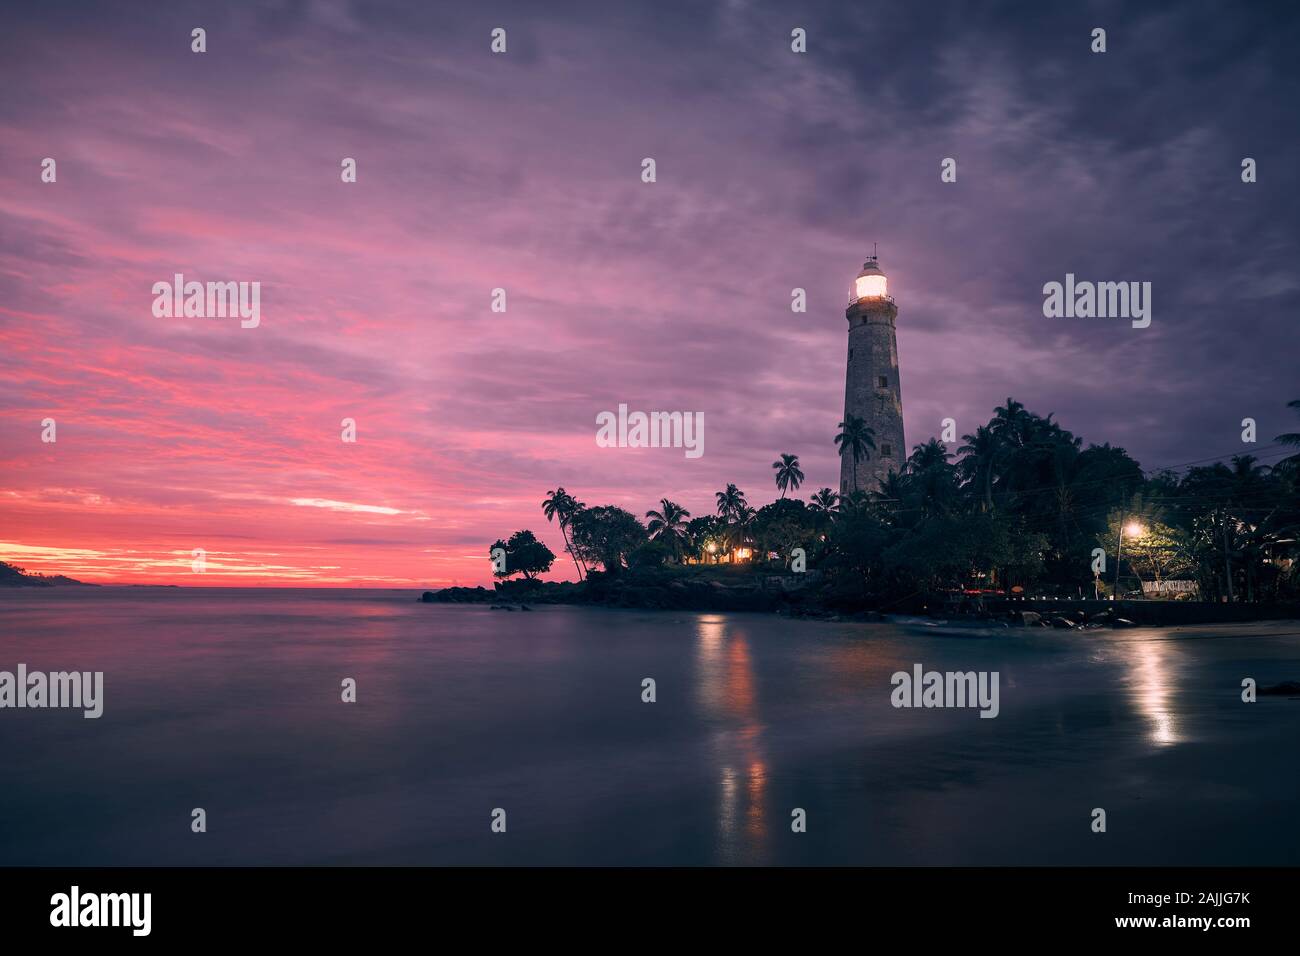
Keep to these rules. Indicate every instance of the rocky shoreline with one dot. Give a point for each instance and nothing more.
(820, 600)
(626, 591)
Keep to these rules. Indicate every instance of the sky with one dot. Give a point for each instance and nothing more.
(522, 170)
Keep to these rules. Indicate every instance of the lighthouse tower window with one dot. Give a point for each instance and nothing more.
(884, 382)
(886, 451)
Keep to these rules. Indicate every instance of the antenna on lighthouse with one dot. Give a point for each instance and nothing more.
(874, 256)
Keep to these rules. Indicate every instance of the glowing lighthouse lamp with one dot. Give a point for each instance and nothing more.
(871, 282)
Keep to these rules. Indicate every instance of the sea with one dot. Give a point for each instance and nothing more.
(363, 727)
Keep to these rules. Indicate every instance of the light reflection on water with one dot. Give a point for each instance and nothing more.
(1153, 673)
(726, 690)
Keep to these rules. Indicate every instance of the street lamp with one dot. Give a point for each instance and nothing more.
(1135, 530)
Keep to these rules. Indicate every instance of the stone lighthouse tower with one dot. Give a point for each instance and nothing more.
(872, 390)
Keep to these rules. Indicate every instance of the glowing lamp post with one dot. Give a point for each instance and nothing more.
(1133, 530)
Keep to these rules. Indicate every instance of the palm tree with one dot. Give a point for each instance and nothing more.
(730, 502)
(930, 455)
(825, 503)
(1290, 438)
(740, 528)
(787, 473)
(1062, 452)
(1250, 517)
(933, 477)
(1010, 421)
(856, 500)
(855, 438)
(1248, 481)
(559, 503)
(669, 524)
(894, 489)
(981, 455)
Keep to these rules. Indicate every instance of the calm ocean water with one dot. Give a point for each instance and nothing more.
(229, 699)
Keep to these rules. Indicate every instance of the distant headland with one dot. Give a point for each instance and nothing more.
(12, 576)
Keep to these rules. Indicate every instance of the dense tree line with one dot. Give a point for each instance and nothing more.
(1020, 503)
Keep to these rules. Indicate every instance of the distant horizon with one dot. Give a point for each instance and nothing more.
(68, 566)
(562, 567)
(233, 587)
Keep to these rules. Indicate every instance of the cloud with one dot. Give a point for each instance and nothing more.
(343, 506)
(475, 172)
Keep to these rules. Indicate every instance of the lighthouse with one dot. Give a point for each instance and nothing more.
(872, 390)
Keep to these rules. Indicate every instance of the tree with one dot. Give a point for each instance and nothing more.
(894, 488)
(738, 532)
(933, 454)
(524, 555)
(651, 554)
(606, 535)
(1292, 439)
(825, 505)
(1010, 423)
(1242, 520)
(788, 474)
(1153, 550)
(1027, 466)
(730, 501)
(560, 504)
(954, 551)
(981, 456)
(895, 501)
(933, 477)
(825, 501)
(856, 439)
(857, 539)
(857, 500)
(784, 525)
(706, 537)
(668, 525)
(1026, 502)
